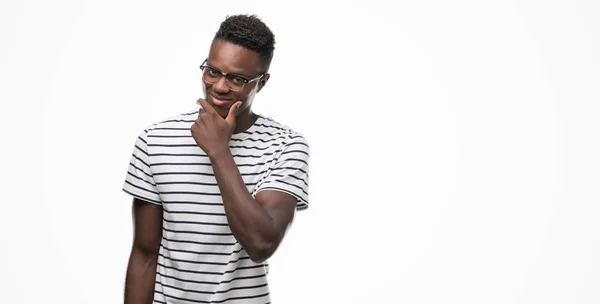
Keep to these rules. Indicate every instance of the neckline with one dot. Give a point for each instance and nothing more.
(253, 128)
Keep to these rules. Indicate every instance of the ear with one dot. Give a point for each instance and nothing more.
(263, 81)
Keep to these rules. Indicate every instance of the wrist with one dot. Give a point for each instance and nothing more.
(218, 153)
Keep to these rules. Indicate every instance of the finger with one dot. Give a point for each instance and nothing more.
(206, 107)
(232, 113)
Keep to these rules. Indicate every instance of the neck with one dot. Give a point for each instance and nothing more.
(244, 120)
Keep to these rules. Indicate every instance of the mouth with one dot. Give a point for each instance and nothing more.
(218, 102)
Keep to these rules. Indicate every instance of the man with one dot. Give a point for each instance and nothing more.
(214, 190)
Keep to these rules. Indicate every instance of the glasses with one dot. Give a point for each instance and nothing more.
(234, 82)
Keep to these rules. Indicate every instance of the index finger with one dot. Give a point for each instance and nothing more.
(205, 105)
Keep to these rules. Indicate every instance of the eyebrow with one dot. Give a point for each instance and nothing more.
(235, 74)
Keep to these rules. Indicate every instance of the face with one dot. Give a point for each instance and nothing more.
(231, 58)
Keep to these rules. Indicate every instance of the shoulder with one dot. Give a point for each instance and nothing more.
(286, 134)
(173, 123)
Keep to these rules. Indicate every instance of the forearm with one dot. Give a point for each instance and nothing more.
(251, 224)
(140, 278)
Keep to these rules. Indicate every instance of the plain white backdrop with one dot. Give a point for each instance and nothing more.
(455, 144)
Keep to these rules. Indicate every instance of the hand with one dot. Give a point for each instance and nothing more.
(210, 131)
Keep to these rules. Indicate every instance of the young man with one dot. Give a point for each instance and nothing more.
(214, 190)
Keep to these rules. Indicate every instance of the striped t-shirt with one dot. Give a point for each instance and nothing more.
(200, 260)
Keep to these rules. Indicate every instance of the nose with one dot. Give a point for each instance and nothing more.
(221, 86)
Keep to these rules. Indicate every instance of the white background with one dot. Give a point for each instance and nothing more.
(455, 144)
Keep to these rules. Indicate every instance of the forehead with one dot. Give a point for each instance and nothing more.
(233, 58)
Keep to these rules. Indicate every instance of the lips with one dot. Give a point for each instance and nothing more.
(219, 102)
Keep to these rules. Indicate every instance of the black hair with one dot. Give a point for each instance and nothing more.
(249, 32)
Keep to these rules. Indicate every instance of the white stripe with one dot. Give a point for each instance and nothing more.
(194, 217)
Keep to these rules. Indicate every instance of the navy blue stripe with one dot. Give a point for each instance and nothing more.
(196, 183)
(235, 155)
(254, 148)
(272, 127)
(209, 164)
(192, 193)
(213, 283)
(140, 138)
(264, 133)
(191, 212)
(212, 224)
(184, 173)
(178, 120)
(195, 232)
(138, 187)
(140, 169)
(192, 203)
(195, 145)
(173, 145)
(141, 160)
(204, 263)
(292, 176)
(216, 292)
(139, 178)
(256, 156)
(210, 174)
(141, 197)
(287, 168)
(200, 243)
(177, 154)
(259, 139)
(203, 252)
(296, 159)
(242, 298)
(212, 272)
(165, 128)
(293, 151)
(140, 149)
(297, 143)
(170, 136)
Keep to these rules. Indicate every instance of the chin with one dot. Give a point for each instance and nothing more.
(223, 112)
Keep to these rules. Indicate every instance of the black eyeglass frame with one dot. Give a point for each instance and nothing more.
(204, 65)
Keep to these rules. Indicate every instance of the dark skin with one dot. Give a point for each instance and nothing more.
(231, 58)
(141, 270)
(260, 223)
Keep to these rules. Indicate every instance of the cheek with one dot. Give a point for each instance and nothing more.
(251, 94)
(246, 98)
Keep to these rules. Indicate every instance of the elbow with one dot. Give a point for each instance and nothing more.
(146, 254)
(259, 252)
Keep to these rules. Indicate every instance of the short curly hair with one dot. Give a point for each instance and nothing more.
(250, 32)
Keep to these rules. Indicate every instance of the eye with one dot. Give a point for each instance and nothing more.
(212, 72)
(238, 80)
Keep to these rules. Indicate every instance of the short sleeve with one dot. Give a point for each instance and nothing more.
(139, 181)
(289, 172)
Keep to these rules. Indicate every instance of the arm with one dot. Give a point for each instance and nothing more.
(258, 224)
(141, 270)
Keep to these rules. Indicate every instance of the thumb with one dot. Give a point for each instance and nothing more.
(232, 113)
